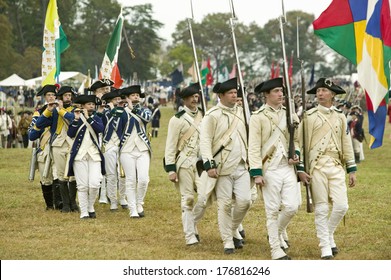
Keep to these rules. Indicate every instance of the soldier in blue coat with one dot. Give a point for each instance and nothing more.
(86, 159)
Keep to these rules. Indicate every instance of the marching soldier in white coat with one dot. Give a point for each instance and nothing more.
(270, 166)
(329, 149)
(223, 146)
(181, 155)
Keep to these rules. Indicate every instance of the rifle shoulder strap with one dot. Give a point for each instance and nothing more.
(190, 131)
(223, 141)
(267, 147)
(90, 129)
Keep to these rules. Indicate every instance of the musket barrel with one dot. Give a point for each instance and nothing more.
(197, 69)
(33, 164)
(246, 110)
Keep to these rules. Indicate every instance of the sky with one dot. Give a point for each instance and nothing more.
(170, 12)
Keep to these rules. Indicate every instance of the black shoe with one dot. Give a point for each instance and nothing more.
(242, 234)
(141, 215)
(327, 257)
(286, 257)
(335, 251)
(125, 206)
(238, 243)
(92, 215)
(229, 251)
(65, 210)
(198, 237)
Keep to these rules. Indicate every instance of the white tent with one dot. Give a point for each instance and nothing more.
(69, 77)
(13, 80)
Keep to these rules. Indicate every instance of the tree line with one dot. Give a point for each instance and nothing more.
(88, 25)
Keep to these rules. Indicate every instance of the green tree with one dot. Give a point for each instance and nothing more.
(142, 33)
(6, 39)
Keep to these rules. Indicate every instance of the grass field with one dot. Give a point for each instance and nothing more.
(28, 232)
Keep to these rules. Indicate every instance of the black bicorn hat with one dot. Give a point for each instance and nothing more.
(84, 98)
(47, 88)
(269, 85)
(326, 83)
(65, 89)
(132, 89)
(101, 83)
(190, 90)
(226, 86)
(112, 94)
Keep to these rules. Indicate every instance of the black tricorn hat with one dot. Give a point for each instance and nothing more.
(132, 89)
(84, 98)
(65, 89)
(112, 94)
(226, 86)
(216, 87)
(326, 83)
(47, 88)
(269, 85)
(101, 83)
(190, 90)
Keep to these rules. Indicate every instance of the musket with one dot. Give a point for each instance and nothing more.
(289, 107)
(48, 164)
(33, 160)
(189, 20)
(246, 108)
(310, 205)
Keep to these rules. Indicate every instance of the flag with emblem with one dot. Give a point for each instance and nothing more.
(54, 43)
(360, 30)
(109, 68)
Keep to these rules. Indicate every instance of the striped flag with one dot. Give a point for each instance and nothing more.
(109, 68)
(360, 30)
(54, 43)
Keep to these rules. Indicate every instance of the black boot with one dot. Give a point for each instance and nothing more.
(57, 195)
(156, 131)
(72, 196)
(357, 157)
(66, 207)
(47, 192)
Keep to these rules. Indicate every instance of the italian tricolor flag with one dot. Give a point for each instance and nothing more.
(109, 68)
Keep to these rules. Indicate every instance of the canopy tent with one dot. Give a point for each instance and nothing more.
(13, 81)
(71, 78)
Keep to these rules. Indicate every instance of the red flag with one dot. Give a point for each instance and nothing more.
(209, 76)
(290, 70)
(272, 70)
(277, 71)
